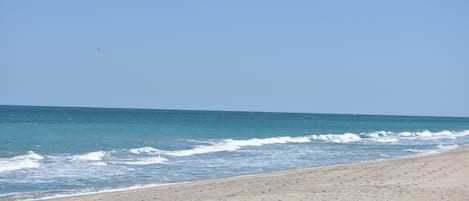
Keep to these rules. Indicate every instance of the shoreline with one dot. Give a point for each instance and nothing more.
(220, 188)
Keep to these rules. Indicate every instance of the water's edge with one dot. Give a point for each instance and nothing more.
(148, 186)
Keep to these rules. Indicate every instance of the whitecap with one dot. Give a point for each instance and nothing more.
(233, 145)
(344, 138)
(228, 145)
(223, 145)
(428, 135)
(99, 163)
(447, 147)
(25, 161)
(92, 156)
(392, 137)
(381, 136)
(438, 149)
(145, 150)
(143, 161)
(415, 150)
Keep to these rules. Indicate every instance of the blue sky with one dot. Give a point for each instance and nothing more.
(394, 57)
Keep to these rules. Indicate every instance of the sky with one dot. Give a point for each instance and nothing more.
(356, 57)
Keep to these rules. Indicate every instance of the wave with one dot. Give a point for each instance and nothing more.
(447, 147)
(97, 158)
(435, 150)
(143, 161)
(224, 145)
(233, 145)
(92, 156)
(344, 138)
(146, 150)
(25, 161)
(387, 136)
(428, 135)
(102, 158)
(381, 136)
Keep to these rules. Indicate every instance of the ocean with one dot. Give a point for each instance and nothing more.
(50, 152)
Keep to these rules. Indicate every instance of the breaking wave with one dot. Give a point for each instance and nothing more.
(428, 135)
(344, 138)
(224, 145)
(143, 161)
(438, 149)
(25, 161)
(151, 155)
(146, 150)
(92, 156)
(377, 137)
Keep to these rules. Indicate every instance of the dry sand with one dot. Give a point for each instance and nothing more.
(434, 177)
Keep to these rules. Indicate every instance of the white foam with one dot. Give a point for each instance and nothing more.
(414, 150)
(144, 161)
(233, 145)
(344, 138)
(381, 136)
(99, 163)
(224, 145)
(422, 152)
(428, 135)
(405, 134)
(92, 156)
(439, 149)
(392, 137)
(146, 150)
(29, 160)
(447, 147)
(386, 140)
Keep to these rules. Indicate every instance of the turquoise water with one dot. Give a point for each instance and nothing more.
(57, 151)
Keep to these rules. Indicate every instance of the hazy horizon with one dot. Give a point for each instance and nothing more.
(213, 110)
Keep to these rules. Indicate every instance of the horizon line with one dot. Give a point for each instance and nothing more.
(245, 111)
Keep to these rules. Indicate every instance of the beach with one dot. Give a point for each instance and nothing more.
(443, 176)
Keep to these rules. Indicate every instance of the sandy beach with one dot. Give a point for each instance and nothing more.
(442, 176)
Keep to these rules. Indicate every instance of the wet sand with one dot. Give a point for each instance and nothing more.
(442, 176)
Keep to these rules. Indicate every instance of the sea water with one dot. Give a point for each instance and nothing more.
(61, 151)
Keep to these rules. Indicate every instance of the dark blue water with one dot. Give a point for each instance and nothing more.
(53, 151)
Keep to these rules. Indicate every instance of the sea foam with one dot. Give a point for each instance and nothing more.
(228, 145)
(224, 145)
(428, 135)
(25, 161)
(391, 137)
(143, 161)
(233, 145)
(344, 138)
(438, 149)
(147, 150)
(92, 156)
